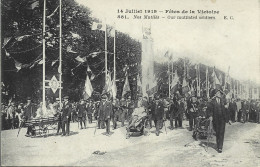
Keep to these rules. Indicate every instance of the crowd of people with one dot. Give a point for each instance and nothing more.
(157, 108)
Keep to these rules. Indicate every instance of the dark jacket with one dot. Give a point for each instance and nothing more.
(157, 110)
(217, 111)
(66, 111)
(81, 108)
(105, 110)
(30, 111)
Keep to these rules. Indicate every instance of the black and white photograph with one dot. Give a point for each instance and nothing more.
(130, 83)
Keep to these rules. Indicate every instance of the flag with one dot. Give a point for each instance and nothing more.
(20, 38)
(35, 4)
(40, 62)
(88, 69)
(53, 62)
(53, 13)
(18, 65)
(74, 35)
(59, 69)
(108, 85)
(175, 82)
(111, 32)
(88, 88)
(92, 76)
(98, 26)
(139, 84)
(69, 49)
(185, 86)
(207, 81)
(114, 89)
(216, 83)
(79, 59)
(94, 54)
(126, 87)
(146, 32)
(6, 53)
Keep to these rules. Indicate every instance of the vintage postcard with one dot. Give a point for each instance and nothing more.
(130, 83)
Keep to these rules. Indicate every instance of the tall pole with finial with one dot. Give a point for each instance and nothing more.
(60, 54)
(43, 57)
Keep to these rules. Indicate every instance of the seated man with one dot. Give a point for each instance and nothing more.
(137, 114)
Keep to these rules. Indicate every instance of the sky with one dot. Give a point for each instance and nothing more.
(219, 42)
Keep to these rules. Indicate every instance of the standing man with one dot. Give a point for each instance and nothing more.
(192, 111)
(104, 112)
(90, 110)
(65, 117)
(232, 107)
(179, 113)
(157, 109)
(116, 112)
(218, 115)
(29, 113)
(81, 111)
(173, 110)
(11, 115)
(56, 107)
(123, 105)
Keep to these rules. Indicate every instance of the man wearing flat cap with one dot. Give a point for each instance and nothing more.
(217, 113)
(104, 112)
(65, 117)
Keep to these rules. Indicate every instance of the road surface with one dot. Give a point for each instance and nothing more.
(176, 148)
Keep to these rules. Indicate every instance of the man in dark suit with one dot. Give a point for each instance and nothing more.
(90, 110)
(116, 112)
(217, 113)
(104, 112)
(179, 113)
(232, 107)
(66, 111)
(29, 113)
(81, 109)
(157, 109)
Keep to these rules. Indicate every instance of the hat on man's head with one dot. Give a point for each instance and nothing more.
(29, 98)
(57, 99)
(66, 97)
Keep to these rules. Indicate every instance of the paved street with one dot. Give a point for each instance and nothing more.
(176, 148)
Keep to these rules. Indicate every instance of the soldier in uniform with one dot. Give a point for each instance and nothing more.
(104, 112)
(82, 113)
(217, 113)
(65, 117)
(192, 111)
(157, 109)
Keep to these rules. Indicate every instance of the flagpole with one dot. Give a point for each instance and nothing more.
(43, 58)
(60, 54)
(169, 79)
(114, 56)
(105, 53)
(207, 83)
